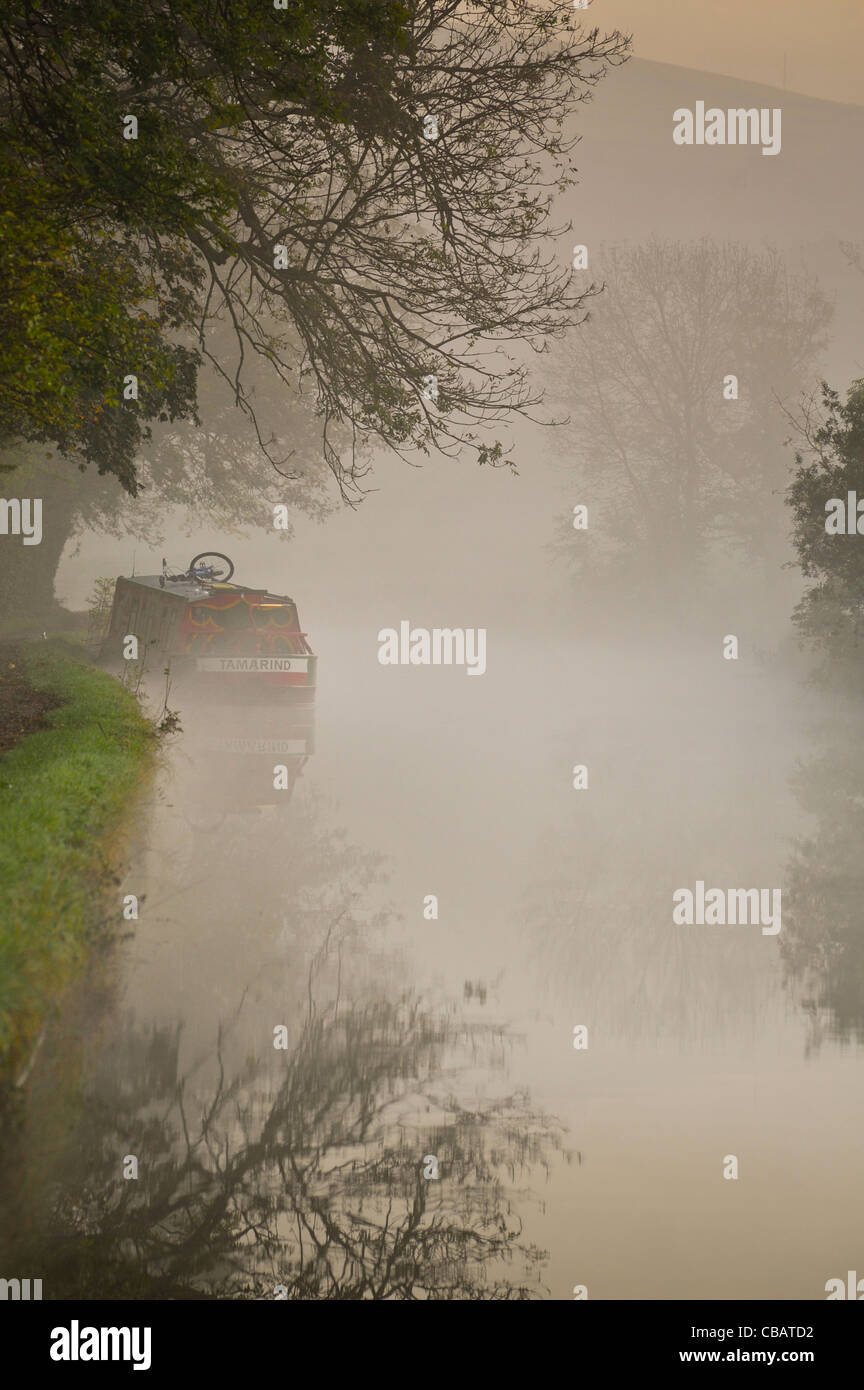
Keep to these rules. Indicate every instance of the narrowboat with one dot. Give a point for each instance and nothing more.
(225, 638)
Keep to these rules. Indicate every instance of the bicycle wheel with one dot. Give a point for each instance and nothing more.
(221, 566)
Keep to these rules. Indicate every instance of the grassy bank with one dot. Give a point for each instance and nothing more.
(66, 792)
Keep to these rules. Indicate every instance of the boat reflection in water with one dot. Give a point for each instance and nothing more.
(248, 758)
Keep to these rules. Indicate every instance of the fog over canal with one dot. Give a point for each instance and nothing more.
(409, 1037)
(410, 1044)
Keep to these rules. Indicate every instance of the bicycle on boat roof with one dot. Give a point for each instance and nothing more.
(211, 566)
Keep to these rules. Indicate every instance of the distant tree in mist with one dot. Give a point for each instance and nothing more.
(361, 194)
(212, 470)
(670, 470)
(829, 465)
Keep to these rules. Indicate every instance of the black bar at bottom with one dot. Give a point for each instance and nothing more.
(187, 1338)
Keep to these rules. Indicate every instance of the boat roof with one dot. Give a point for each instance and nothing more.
(189, 590)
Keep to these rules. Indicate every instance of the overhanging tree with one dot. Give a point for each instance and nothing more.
(361, 192)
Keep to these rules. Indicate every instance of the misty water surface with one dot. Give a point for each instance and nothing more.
(263, 1167)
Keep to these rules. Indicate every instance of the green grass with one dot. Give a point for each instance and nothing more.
(66, 793)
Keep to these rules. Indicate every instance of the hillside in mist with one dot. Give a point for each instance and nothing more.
(634, 177)
(634, 181)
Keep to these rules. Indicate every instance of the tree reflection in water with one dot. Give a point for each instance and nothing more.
(294, 1172)
(822, 941)
(310, 1179)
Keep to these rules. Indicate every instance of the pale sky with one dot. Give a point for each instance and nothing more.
(823, 40)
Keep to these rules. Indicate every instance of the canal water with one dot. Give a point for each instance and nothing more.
(336, 1054)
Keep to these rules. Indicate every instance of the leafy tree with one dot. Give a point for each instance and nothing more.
(75, 320)
(830, 464)
(285, 177)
